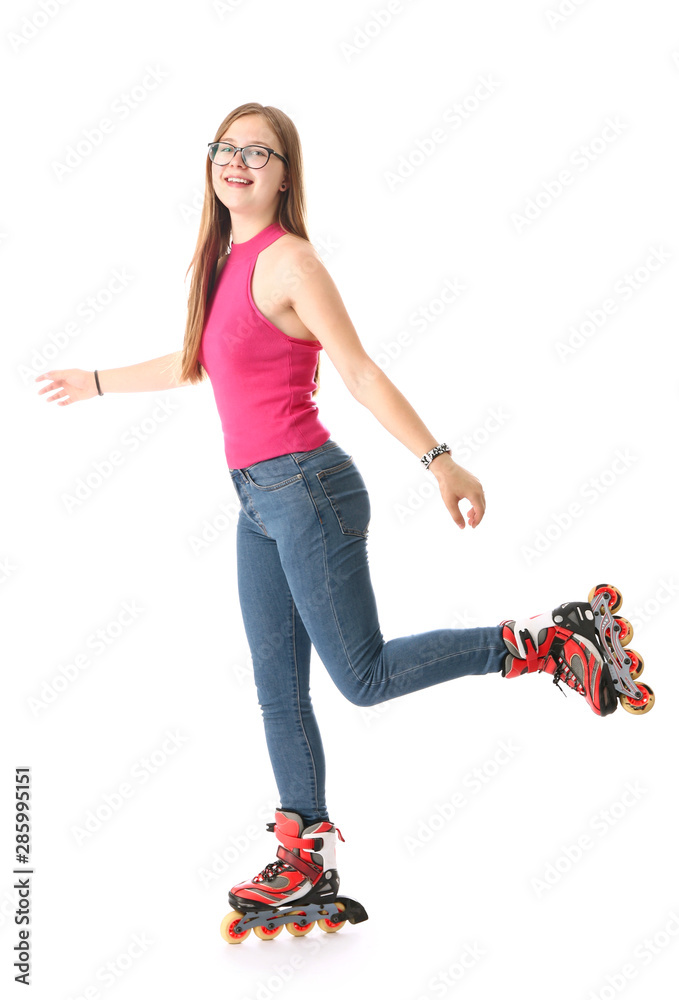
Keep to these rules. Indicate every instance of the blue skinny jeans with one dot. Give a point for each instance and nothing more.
(303, 579)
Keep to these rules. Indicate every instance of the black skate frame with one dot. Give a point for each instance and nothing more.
(273, 917)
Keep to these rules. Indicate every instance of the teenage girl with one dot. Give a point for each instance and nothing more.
(262, 306)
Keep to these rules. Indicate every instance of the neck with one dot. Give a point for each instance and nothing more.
(243, 229)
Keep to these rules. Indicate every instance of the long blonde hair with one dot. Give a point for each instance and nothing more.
(214, 233)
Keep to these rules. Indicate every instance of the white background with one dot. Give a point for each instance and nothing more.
(501, 879)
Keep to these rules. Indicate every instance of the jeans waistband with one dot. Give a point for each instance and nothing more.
(299, 456)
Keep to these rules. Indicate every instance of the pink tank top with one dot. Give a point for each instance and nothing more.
(262, 378)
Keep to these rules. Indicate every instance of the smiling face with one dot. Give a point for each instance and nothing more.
(263, 190)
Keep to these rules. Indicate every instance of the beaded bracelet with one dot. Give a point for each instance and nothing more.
(438, 450)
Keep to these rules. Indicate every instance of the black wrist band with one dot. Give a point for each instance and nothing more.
(96, 379)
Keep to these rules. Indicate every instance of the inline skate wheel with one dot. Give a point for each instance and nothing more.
(330, 927)
(228, 924)
(639, 706)
(636, 665)
(614, 595)
(299, 930)
(267, 933)
(624, 629)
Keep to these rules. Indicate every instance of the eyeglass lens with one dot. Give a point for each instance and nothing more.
(222, 153)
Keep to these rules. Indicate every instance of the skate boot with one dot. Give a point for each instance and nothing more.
(297, 889)
(580, 643)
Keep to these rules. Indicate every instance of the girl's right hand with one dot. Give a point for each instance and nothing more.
(73, 385)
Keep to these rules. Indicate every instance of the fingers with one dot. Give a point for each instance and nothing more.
(477, 509)
(476, 512)
(54, 384)
(464, 486)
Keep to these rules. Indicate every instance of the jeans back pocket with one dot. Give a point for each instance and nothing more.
(347, 494)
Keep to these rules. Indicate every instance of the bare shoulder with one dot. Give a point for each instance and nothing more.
(291, 249)
(296, 259)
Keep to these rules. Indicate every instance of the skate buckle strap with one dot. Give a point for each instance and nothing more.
(532, 659)
(311, 871)
(306, 843)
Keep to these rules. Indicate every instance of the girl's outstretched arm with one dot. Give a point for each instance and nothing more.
(317, 302)
(74, 384)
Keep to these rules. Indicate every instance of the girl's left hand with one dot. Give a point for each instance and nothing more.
(458, 484)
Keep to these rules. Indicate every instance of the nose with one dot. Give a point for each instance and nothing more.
(233, 162)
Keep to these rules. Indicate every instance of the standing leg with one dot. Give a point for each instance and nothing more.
(281, 656)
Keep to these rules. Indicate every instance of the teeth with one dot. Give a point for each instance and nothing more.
(237, 180)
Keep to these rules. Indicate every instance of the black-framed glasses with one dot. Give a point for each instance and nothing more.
(255, 156)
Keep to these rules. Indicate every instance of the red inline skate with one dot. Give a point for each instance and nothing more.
(581, 644)
(295, 891)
